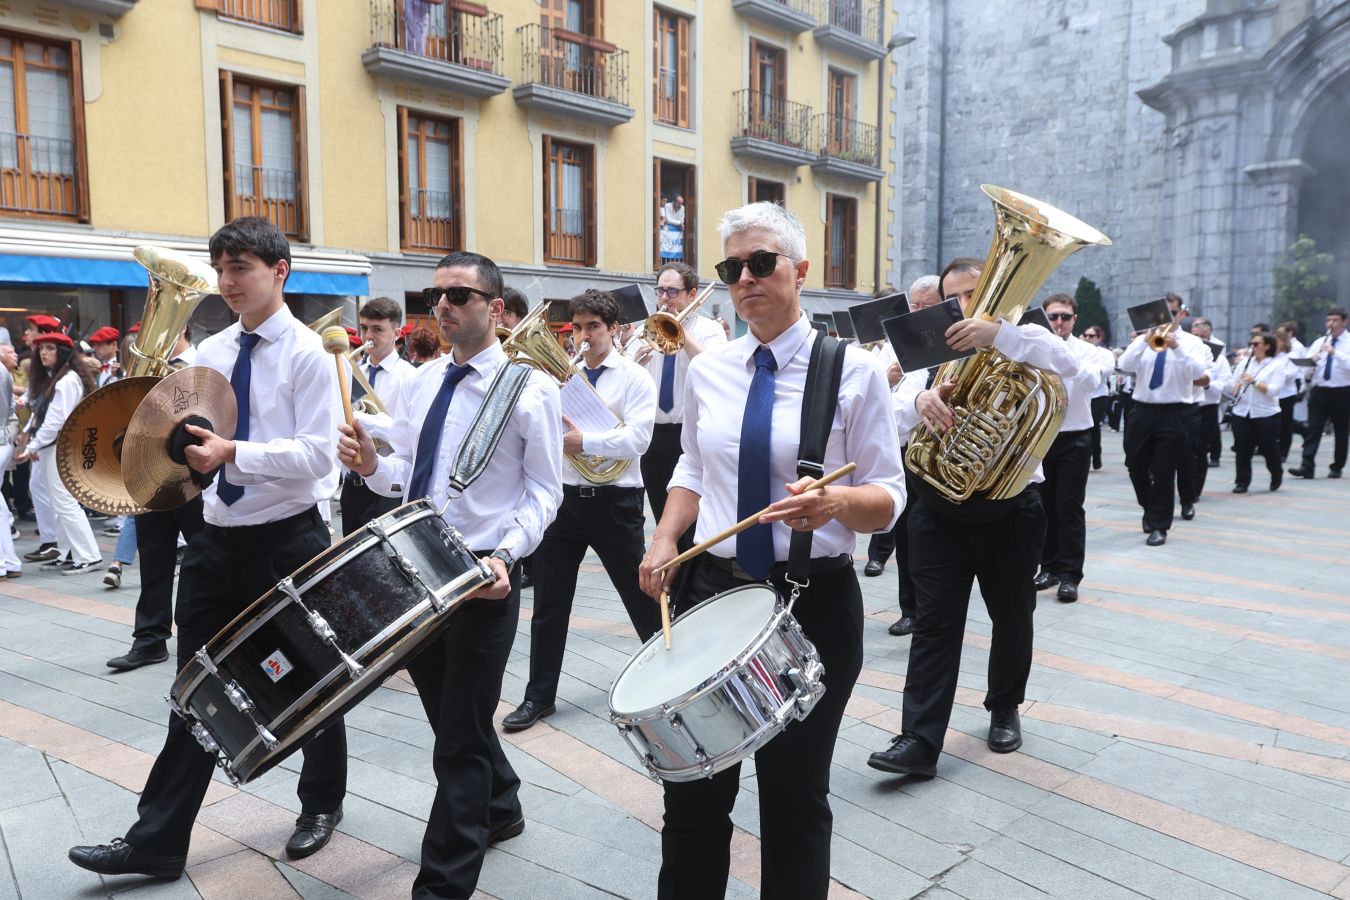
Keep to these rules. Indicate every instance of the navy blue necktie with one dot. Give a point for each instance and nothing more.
(754, 546)
(667, 399)
(239, 380)
(1326, 372)
(1159, 363)
(371, 371)
(593, 375)
(429, 441)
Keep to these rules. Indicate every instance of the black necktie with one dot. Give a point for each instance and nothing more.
(1326, 372)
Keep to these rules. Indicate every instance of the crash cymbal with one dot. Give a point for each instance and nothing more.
(152, 478)
(89, 447)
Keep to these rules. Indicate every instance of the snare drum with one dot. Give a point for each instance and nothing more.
(739, 669)
(324, 638)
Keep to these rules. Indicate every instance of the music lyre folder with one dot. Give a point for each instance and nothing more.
(1148, 315)
(820, 326)
(843, 324)
(867, 317)
(1306, 362)
(919, 338)
(1035, 316)
(632, 304)
(1215, 350)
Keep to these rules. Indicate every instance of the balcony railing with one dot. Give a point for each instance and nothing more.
(268, 192)
(792, 16)
(848, 139)
(459, 38)
(770, 118)
(852, 26)
(282, 14)
(431, 223)
(37, 175)
(567, 236)
(573, 62)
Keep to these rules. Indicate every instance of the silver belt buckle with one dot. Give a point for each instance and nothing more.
(586, 490)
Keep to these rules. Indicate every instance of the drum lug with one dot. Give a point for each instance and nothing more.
(325, 633)
(437, 602)
(204, 738)
(268, 739)
(206, 662)
(402, 563)
(239, 698)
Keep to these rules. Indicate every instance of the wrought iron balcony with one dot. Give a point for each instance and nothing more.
(792, 16)
(574, 75)
(451, 50)
(115, 8)
(772, 129)
(39, 175)
(280, 14)
(852, 26)
(848, 148)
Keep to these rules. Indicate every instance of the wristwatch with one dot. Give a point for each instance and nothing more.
(505, 556)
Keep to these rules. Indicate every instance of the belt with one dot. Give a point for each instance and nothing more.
(281, 528)
(599, 490)
(1075, 432)
(667, 426)
(1165, 405)
(819, 565)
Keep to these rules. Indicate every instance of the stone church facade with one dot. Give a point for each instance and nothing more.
(1201, 135)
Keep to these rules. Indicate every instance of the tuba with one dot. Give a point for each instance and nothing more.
(1006, 413)
(532, 344)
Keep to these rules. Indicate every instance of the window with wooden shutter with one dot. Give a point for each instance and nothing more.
(430, 183)
(761, 190)
(671, 180)
(43, 167)
(282, 14)
(263, 127)
(768, 90)
(569, 203)
(841, 136)
(841, 242)
(670, 99)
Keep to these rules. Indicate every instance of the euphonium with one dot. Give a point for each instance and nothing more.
(665, 332)
(177, 284)
(1007, 413)
(531, 343)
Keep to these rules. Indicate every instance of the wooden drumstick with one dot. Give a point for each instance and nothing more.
(665, 617)
(335, 341)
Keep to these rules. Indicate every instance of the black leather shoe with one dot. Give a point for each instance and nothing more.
(1188, 511)
(506, 830)
(1239, 489)
(313, 831)
(1278, 479)
(1334, 473)
(1067, 593)
(1213, 463)
(1044, 581)
(120, 858)
(1005, 730)
(527, 714)
(1301, 472)
(526, 579)
(907, 756)
(873, 568)
(1148, 526)
(1156, 538)
(901, 627)
(134, 659)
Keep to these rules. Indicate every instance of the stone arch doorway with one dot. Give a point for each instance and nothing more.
(1324, 196)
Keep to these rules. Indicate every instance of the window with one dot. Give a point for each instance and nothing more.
(283, 14)
(263, 127)
(841, 242)
(671, 78)
(839, 128)
(768, 92)
(569, 203)
(674, 184)
(761, 190)
(430, 180)
(43, 171)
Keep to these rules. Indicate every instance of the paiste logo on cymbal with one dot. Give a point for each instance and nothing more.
(89, 452)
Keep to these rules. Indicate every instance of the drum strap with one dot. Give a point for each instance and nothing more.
(481, 440)
(819, 402)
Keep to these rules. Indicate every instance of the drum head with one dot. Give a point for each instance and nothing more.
(703, 642)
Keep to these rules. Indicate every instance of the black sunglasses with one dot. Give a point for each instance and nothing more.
(458, 295)
(1059, 317)
(761, 264)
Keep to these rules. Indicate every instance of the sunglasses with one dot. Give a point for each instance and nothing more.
(675, 292)
(1059, 317)
(1091, 334)
(458, 295)
(761, 264)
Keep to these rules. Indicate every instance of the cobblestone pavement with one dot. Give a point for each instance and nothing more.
(1187, 732)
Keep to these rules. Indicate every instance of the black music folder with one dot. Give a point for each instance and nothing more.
(559, 312)
(1149, 315)
(820, 326)
(919, 338)
(1215, 350)
(867, 317)
(1035, 316)
(843, 324)
(1306, 362)
(632, 304)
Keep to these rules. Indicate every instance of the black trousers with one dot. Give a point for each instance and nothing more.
(1118, 413)
(459, 680)
(1250, 435)
(1286, 436)
(157, 543)
(1062, 495)
(947, 557)
(658, 464)
(225, 570)
(1211, 441)
(1327, 404)
(361, 505)
(1155, 440)
(1099, 409)
(611, 523)
(881, 545)
(792, 770)
(1190, 474)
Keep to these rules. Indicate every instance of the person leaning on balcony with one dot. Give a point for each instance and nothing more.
(672, 227)
(417, 23)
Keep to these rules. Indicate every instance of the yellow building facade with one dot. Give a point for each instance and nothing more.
(552, 135)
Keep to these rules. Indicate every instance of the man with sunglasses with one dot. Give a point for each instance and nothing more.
(676, 287)
(735, 463)
(502, 516)
(1101, 395)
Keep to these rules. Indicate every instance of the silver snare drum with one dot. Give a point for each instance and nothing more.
(739, 669)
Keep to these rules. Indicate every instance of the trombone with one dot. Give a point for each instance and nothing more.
(665, 332)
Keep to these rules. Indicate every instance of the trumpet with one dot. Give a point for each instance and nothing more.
(665, 332)
(1157, 337)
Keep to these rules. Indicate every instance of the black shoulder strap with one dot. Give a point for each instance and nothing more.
(481, 440)
(819, 402)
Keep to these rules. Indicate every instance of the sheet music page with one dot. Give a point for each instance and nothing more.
(585, 408)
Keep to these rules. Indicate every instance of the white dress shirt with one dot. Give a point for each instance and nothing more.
(67, 394)
(106, 375)
(393, 372)
(1256, 404)
(294, 408)
(1108, 363)
(862, 432)
(1093, 370)
(517, 495)
(631, 396)
(707, 333)
(1220, 375)
(1340, 361)
(1186, 362)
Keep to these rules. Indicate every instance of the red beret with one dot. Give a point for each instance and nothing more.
(352, 337)
(45, 323)
(54, 337)
(105, 335)
(406, 330)
(134, 329)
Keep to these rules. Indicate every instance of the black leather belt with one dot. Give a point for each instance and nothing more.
(819, 565)
(281, 528)
(598, 490)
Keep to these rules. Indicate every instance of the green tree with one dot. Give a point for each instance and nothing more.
(1302, 287)
(1091, 310)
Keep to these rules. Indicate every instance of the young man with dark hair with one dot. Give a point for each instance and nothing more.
(607, 518)
(262, 522)
(1330, 396)
(514, 307)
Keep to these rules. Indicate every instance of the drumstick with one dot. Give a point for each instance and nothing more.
(665, 617)
(335, 342)
(752, 519)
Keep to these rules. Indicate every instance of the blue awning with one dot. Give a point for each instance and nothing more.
(20, 269)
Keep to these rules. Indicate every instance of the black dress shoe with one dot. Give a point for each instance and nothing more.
(873, 568)
(902, 626)
(1005, 730)
(1148, 526)
(313, 831)
(526, 579)
(1044, 581)
(137, 658)
(527, 714)
(907, 755)
(120, 858)
(1301, 472)
(1334, 473)
(1156, 538)
(1213, 463)
(506, 830)
(1188, 511)
(1239, 489)
(1067, 593)
(1278, 479)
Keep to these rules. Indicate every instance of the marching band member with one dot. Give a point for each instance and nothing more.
(733, 466)
(104, 341)
(1101, 395)
(502, 516)
(1256, 412)
(261, 523)
(605, 517)
(1220, 372)
(46, 551)
(1330, 396)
